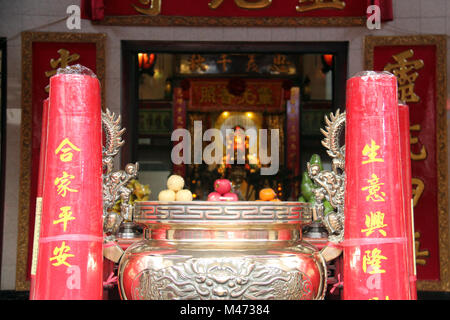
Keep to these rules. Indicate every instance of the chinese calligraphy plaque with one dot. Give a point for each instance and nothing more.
(419, 62)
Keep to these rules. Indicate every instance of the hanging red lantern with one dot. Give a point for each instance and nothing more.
(327, 62)
(328, 58)
(146, 60)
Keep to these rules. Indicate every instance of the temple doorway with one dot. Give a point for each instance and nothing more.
(287, 87)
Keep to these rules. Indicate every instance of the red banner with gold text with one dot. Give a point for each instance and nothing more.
(257, 95)
(293, 136)
(417, 89)
(419, 63)
(276, 12)
(179, 122)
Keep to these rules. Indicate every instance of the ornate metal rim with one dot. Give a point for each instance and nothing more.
(440, 41)
(226, 213)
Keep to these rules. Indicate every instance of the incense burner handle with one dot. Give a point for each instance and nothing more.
(115, 185)
(330, 186)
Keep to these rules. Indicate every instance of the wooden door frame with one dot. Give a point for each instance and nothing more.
(129, 75)
(2, 143)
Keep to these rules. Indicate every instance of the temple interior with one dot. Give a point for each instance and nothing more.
(159, 72)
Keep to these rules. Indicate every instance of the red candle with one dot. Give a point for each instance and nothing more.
(70, 255)
(37, 222)
(403, 111)
(375, 240)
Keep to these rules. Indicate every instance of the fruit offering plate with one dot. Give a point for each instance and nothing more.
(222, 212)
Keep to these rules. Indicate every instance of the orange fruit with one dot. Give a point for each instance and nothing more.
(267, 194)
(275, 200)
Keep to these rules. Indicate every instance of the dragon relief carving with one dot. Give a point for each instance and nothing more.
(221, 279)
(115, 182)
(331, 184)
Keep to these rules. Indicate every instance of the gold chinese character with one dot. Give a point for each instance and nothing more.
(60, 255)
(243, 4)
(420, 253)
(66, 147)
(374, 221)
(372, 261)
(224, 61)
(418, 190)
(225, 96)
(153, 9)
(180, 121)
(310, 5)
(404, 70)
(208, 94)
(63, 61)
(371, 153)
(251, 64)
(65, 216)
(374, 189)
(249, 97)
(280, 64)
(414, 140)
(264, 96)
(196, 62)
(63, 183)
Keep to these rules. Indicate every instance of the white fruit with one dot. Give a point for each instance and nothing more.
(183, 195)
(166, 195)
(175, 183)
